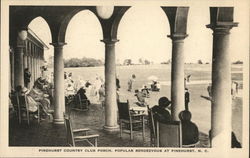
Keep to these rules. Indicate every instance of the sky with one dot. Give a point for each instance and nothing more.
(143, 34)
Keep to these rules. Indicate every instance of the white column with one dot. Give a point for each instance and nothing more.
(32, 66)
(19, 71)
(59, 101)
(177, 75)
(110, 87)
(25, 64)
(221, 89)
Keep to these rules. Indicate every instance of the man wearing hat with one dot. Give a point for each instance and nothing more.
(27, 76)
(160, 112)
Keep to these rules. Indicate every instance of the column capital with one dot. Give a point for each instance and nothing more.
(110, 41)
(177, 36)
(222, 27)
(58, 44)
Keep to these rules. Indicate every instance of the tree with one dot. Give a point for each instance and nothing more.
(146, 62)
(200, 61)
(127, 62)
(83, 62)
(140, 61)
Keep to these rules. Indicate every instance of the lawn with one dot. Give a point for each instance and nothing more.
(200, 107)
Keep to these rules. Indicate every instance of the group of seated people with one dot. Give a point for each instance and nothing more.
(161, 113)
(144, 93)
(77, 98)
(190, 132)
(155, 86)
(38, 97)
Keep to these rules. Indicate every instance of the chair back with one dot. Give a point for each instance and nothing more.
(123, 109)
(151, 122)
(15, 101)
(80, 99)
(21, 100)
(169, 134)
(69, 132)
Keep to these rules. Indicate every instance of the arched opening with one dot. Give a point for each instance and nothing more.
(41, 49)
(84, 56)
(198, 64)
(144, 50)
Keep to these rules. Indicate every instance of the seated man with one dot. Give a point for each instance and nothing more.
(190, 132)
(160, 112)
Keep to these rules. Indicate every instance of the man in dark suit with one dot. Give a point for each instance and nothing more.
(161, 113)
(187, 98)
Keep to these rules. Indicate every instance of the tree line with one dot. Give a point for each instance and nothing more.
(82, 62)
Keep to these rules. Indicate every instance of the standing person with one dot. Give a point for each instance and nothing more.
(187, 98)
(234, 89)
(117, 83)
(130, 82)
(44, 72)
(102, 95)
(209, 90)
(65, 75)
(27, 76)
(70, 75)
(97, 86)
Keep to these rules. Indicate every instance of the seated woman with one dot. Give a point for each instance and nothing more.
(160, 111)
(37, 93)
(190, 132)
(81, 92)
(32, 104)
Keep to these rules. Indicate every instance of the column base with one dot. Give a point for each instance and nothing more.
(58, 121)
(111, 128)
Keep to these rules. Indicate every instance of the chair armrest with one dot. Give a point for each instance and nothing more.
(87, 137)
(81, 130)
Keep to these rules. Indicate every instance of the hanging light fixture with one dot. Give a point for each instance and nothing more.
(105, 12)
(22, 34)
